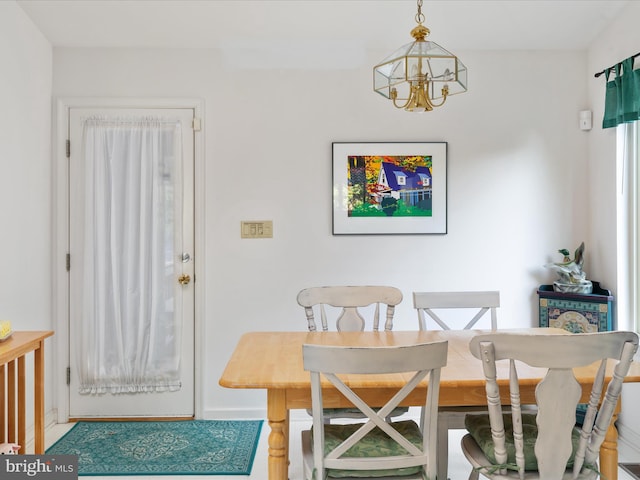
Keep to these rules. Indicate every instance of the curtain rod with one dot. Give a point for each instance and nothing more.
(603, 71)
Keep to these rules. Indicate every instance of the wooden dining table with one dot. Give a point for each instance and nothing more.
(273, 361)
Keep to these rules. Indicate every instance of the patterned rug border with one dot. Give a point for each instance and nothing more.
(189, 447)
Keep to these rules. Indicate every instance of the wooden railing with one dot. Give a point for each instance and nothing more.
(13, 388)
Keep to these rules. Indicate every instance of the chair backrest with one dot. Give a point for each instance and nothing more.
(421, 359)
(558, 394)
(478, 303)
(349, 302)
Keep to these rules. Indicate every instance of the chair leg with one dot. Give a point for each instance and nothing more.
(443, 447)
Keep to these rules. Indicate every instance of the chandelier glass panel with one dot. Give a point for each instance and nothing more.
(420, 75)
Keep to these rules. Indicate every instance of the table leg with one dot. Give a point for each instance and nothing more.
(609, 452)
(288, 442)
(278, 419)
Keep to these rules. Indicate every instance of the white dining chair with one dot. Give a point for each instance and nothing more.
(350, 308)
(545, 445)
(342, 307)
(455, 311)
(375, 448)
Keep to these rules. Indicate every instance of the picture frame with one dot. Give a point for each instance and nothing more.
(382, 188)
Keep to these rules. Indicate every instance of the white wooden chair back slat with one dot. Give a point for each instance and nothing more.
(323, 318)
(350, 301)
(589, 418)
(426, 303)
(516, 412)
(608, 406)
(329, 363)
(377, 419)
(557, 396)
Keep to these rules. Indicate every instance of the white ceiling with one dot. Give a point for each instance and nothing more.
(383, 24)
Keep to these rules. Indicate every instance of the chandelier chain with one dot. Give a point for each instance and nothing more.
(420, 15)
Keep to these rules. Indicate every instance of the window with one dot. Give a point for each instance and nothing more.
(628, 233)
(401, 178)
(425, 180)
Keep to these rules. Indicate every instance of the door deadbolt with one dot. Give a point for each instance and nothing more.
(184, 279)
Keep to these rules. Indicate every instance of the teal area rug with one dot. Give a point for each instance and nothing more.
(191, 447)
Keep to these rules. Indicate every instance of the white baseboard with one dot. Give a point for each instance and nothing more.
(235, 414)
(50, 418)
(629, 438)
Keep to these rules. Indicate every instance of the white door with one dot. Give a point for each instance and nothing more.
(173, 297)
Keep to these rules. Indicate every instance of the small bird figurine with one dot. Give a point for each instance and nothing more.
(572, 278)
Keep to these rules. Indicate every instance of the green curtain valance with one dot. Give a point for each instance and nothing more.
(622, 97)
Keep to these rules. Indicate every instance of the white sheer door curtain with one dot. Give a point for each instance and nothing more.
(129, 338)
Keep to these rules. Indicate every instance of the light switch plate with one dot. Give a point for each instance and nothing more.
(256, 229)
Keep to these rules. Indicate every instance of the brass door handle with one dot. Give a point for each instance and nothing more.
(184, 279)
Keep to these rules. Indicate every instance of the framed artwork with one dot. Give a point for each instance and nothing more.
(389, 188)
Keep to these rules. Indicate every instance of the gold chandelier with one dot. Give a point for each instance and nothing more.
(419, 74)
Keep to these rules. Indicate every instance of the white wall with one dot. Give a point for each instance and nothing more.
(619, 41)
(516, 159)
(523, 180)
(25, 183)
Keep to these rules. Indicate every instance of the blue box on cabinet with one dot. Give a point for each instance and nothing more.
(576, 312)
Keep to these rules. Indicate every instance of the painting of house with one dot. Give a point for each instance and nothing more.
(414, 188)
(390, 185)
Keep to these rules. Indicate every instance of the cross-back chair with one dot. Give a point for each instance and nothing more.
(435, 305)
(350, 308)
(349, 303)
(376, 447)
(455, 311)
(546, 445)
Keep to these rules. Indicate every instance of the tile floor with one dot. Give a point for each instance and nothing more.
(458, 466)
